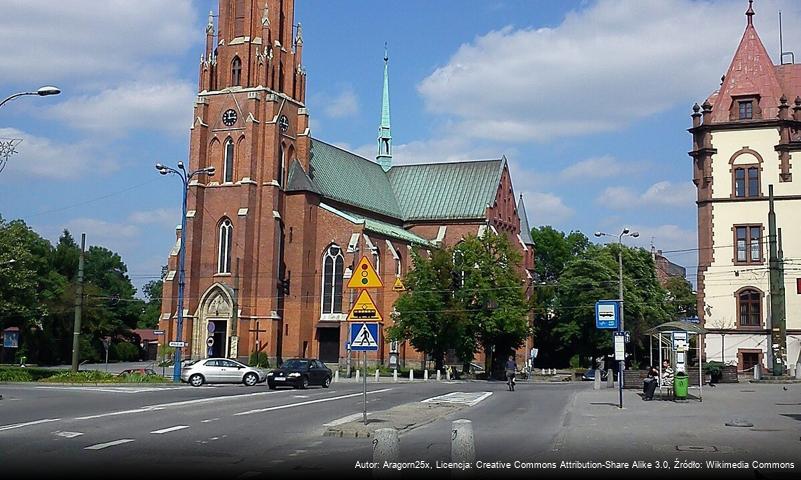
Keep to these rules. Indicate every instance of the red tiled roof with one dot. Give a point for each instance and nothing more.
(146, 335)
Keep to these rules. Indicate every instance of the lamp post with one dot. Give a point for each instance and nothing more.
(42, 92)
(186, 177)
(626, 232)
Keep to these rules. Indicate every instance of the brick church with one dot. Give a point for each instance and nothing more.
(272, 238)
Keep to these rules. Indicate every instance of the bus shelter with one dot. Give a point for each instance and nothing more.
(664, 335)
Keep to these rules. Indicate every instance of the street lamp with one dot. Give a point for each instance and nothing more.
(186, 177)
(626, 232)
(42, 92)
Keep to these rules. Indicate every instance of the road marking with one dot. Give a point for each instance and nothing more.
(28, 424)
(67, 434)
(151, 408)
(111, 389)
(171, 429)
(299, 404)
(101, 446)
(209, 420)
(340, 421)
(468, 399)
(300, 396)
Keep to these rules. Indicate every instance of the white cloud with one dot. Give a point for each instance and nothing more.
(164, 106)
(346, 104)
(595, 167)
(53, 42)
(660, 194)
(43, 157)
(164, 217)
(602, 68)
(546, 208)
(114, 236)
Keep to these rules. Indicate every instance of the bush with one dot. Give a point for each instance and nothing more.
(714, 369)
(575, 361)
(259, 360)
(89, 376)
(139, 378)
(124, 352)
(18, 374)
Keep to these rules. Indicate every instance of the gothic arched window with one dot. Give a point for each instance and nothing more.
(228, 163)
(224, 247)
(333, 267)
(236, 71)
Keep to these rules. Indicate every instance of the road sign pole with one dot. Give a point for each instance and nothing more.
(364, 354)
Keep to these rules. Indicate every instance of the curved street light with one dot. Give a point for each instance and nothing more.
(42, 92)
(186, 177)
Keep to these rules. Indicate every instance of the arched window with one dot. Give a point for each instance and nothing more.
(745, 167)
(228, 163)
(225, 246)
(333, 267)
(458, 267)
(236, 71)
(399, 266)
(749, 307)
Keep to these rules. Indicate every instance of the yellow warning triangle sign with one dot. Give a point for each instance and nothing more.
(399, 286)
(364, 309)
(364, 276)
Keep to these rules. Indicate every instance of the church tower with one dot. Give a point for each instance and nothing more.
(384, 156)
(250, 123)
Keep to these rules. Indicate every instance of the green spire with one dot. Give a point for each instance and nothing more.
(384, 156)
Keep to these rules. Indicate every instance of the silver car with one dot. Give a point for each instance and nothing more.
(221, 370)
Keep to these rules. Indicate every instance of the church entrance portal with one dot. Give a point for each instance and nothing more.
(218, 333)
(329, 344)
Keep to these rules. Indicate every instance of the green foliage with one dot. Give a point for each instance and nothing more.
(259, 359)
(15, 375)
(152, 311)
(139, 378)
(715, 369)
(89, 376)
(682, 301)
(124, 352)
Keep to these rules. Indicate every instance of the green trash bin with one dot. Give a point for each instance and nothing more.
(681, 383)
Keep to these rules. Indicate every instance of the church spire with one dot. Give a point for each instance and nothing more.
(750, 12)
(384, 156)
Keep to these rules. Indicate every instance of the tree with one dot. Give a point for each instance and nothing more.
(153, 293)
(493, 295)
(681, 298)
(428, 315)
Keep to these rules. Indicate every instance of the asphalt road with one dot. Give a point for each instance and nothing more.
(242, 432)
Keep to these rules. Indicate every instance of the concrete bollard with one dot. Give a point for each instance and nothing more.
(395, 375)
(798, 371)
(425, 374)
(386, 449)
(543, 371)
(463, 448)
(357, 375)
(336, 375)
(376, 375)
(610, 378)
(757, 372)
(448, 374)
(439, 375)
(596, 381)
(411, 374)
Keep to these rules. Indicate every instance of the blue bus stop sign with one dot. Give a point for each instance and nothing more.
(607, 314)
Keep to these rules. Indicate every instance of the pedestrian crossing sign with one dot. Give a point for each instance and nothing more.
(364, 309)
(365, 276)
(364, 337)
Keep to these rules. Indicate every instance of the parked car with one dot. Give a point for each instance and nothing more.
(137, 371)
(300, 373)
(221, 370)
(590, 375)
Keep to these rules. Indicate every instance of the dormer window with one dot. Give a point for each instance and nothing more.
(746, 109)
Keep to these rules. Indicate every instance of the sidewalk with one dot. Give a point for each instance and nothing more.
(596, 429)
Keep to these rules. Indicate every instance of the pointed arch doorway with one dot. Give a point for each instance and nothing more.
(212, 331)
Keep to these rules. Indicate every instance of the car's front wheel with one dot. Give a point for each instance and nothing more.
(250, 379)
(196, 380)
(271, 385)
(327, 382)
(304, 383)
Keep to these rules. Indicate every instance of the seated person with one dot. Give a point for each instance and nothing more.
(667, 374)
(649, 383)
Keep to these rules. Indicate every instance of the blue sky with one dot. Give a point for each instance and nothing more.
(588, 100)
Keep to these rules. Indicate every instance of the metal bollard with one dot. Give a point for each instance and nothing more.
(411, 374)
(425, 374)
(395, 375)
(376, 375)
(385, 449)
(336, 375)
(596, 383)
(757, 372)
(357, 375)
(610, 379)
(463, 448)
(439, 375)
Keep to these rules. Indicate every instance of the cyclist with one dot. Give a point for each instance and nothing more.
(511, 368)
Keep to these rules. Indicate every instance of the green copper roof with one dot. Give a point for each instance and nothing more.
(382, 228)
(351, 179)
(297, 180)
(525, 230)
(449, 191)
(384, 156)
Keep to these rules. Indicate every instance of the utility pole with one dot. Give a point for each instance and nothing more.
(76, 329)
(777, 325)
(235, 314)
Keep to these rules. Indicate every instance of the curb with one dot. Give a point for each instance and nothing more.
(93, 384)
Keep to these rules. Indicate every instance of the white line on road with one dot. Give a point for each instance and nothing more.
(28, 424)
(67, 434)
(171, 429)
(101, 446)
(209, 420)
(299, 404)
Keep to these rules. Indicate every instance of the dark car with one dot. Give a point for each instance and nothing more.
(590, 375)
(300, 373)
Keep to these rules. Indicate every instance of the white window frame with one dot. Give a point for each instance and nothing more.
(224, 251)
(329, 314)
